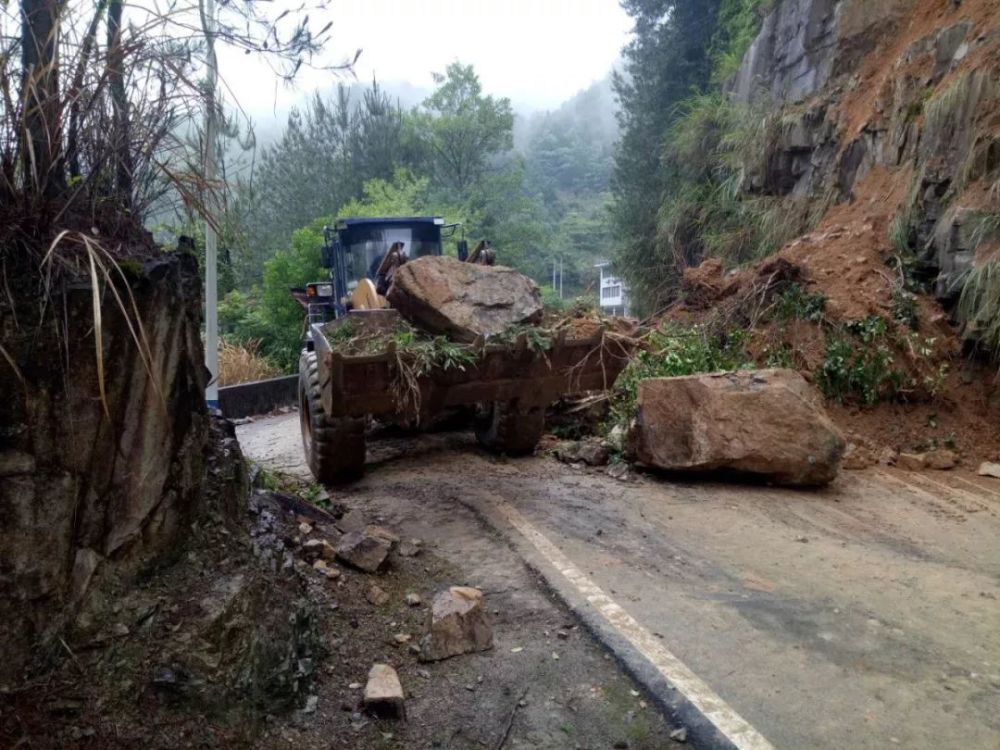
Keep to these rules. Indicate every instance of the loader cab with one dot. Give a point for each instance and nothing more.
(354, 248)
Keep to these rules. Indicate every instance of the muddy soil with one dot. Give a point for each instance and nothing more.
(240, 643)
(874, 600)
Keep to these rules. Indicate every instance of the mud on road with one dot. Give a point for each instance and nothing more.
(866, 615)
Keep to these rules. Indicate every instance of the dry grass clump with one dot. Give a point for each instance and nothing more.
(242, 362)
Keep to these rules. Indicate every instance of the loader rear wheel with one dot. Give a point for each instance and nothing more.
(507, 428)
(334, 448)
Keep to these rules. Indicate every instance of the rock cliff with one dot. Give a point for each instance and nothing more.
(93, 487)
(909, 86)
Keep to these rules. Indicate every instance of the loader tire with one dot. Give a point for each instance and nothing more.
(506, 428)
(334, 448)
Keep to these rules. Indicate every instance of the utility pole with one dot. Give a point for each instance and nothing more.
(560, 278)
(211, 249)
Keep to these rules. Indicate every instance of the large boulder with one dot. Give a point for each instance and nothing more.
(464, 300)
(769, 423)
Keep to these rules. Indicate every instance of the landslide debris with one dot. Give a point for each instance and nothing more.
(768, 423)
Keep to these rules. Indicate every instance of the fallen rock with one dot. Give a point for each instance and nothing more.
(383, 693)
(942, 459)
(376, 596)
(912, 461)
(410, 547)
(314, 549)
(413, 600)
(592, 451)
(888, 456)
(456, 624)
(856, 458)
(363, 550)
(988, 469)
(463, 300)
(353, 520)
(322, 568)
(769, 423)
(381, 532)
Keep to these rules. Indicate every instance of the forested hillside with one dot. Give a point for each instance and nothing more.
(361, 152)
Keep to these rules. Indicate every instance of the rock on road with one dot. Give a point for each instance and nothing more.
(865, 615)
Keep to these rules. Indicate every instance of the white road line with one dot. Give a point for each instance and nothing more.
(733, 726)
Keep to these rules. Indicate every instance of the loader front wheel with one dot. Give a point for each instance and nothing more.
(334, 448)
(507, 428)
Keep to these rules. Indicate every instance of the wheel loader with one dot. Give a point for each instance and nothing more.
(508, 387)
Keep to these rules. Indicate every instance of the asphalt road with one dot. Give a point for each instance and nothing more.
(866, 615)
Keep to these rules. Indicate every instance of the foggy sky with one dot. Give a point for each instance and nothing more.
(537, 52)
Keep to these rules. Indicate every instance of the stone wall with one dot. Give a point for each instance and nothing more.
(88, 490)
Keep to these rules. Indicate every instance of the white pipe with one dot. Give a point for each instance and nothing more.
(211, 251)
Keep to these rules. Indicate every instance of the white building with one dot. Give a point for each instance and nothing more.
(613, 295)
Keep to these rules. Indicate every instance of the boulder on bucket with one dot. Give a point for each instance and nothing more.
(463, 300)
(769, 423)
(457, 624)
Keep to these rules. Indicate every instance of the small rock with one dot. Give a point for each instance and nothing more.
(855, 458)
(119, 630)
(912, 461)
(457, 624)
(410, 547)
(423, 674)
(562, 634)
(305, 528)
(381, 532)
(679, 735)
(618, 471)
(888, 456)
(989, 469)
(402, 638)
(413, 600)
(942, 459)
(414, 649)
(352, 521)
(363, 551)
(323, 569)
(354, 686)
(311, 703)
(316, 548)
(592, 451)
(376, 596)
(384, 693)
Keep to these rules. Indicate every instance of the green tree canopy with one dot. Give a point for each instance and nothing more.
(461, 129)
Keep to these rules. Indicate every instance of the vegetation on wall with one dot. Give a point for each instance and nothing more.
(705, 196)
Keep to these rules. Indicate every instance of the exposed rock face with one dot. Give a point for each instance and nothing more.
(900, 84)
(464, 300)
(84, 492)
(789, 58)
(457, 624)
(769, 423)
